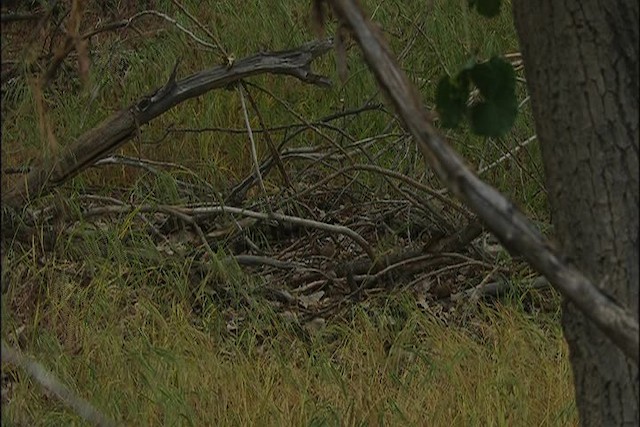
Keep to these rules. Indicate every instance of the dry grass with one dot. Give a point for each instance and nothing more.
(145, 357)
(123, 325)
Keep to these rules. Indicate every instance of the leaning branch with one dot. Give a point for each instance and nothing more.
(52, 384)
(513, 229)
(122, 126)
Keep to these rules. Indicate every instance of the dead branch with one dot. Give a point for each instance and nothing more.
(52, 384)
(514, 230)
(122, 125)
(212, 210)
(495, 289)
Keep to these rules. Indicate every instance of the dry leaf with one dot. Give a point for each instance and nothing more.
(312, 300)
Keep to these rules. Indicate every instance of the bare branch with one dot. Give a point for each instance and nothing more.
(515, 231)
(210, 210)
(52, 384)
(122, 125)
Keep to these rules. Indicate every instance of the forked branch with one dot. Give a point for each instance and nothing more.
(122, 125)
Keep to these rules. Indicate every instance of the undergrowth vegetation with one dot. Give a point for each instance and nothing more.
(149, 339)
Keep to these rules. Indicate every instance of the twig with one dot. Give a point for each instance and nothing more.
(320, 122)
(202, 27)
(310, 153)
(52, 384)
(15, 17)
(252, 143)
(272, 148)
(167, 18)
(69, 43)
(17, 170)
(397, 175)
(496, 289)
(507, 155)
(253, 260)
(447, 268)
(303, 120)
(149, 165)
(209, 210)
(144, 219)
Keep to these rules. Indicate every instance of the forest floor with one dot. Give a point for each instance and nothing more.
(170, 284)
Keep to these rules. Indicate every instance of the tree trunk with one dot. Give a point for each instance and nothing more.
(581, 64)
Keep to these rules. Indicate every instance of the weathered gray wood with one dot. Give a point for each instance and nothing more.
(122, 125)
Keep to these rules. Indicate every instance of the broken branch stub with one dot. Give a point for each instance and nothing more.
(120, 127)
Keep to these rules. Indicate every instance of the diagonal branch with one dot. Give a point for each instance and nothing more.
(52, 384)
(122, 125)
(515, 231)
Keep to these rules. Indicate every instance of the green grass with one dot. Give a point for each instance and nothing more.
(446, 40)
(131, 342)
(127, 327)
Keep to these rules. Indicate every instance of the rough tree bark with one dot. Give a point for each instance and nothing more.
(581, 65)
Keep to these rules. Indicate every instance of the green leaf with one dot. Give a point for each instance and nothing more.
(496, 81)
(487, 8)
(493, 119)
(451, 99)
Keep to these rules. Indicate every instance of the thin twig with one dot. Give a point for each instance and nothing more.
(252, 143)
(149, 165)
(272, 148)
(507, 155)
(497, 288)
(210, 210)
(49, 382)
(127, 22)
(303, 120)
(378, 169)
(202, 27)
(320, 122)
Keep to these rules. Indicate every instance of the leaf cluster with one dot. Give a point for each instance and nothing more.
(494, 114)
